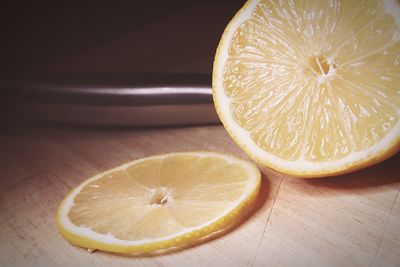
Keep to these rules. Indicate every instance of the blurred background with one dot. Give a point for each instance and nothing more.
(111, 36)
(109, 44)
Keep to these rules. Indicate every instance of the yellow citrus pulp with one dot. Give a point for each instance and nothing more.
(159, 203)
(311, 88)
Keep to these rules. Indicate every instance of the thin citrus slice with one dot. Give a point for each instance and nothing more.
(311, 88)
(160, 203)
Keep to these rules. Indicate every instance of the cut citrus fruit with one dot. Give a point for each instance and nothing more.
(311, 88)
(160, 203)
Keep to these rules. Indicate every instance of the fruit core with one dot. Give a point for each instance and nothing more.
(159, 197)
(321, 66)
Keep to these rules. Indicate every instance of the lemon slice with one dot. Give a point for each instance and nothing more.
(159, 203)
(311, 88)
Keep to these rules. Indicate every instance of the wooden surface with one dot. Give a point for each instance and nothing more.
(350, 220)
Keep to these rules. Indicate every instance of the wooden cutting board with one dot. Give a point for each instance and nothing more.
(349, 220)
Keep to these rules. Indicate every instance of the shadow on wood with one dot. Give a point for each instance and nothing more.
(382, 174)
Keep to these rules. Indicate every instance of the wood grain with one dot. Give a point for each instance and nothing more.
(349, 220)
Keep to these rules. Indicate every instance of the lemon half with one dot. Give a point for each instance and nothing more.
(311, 88)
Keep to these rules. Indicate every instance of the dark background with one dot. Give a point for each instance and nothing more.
(111, 36)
